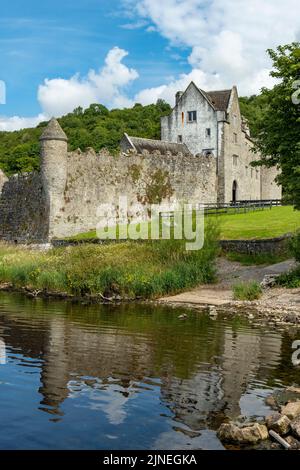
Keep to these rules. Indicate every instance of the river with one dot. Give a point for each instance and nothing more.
(131, 377)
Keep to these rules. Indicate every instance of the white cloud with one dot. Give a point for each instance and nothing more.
(227, 42)
(227, 39)
(134, 25)
(167, 92)
(16, 122)
(60, 96)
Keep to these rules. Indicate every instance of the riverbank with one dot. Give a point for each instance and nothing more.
(124, 271)
(277, 305)
(160, 271)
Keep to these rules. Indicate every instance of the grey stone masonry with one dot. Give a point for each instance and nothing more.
(210, 123)
(204, 156)
(64, 198)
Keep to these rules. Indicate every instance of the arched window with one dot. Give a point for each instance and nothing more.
(234, 191)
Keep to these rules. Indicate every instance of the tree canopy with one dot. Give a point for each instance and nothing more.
(278, 125)
(95, 127)
(98, 127)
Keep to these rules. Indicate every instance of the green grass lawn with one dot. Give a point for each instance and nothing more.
(260, 224)
(266, 223)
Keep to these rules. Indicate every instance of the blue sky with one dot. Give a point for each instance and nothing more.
(57, 38)
(140, 50)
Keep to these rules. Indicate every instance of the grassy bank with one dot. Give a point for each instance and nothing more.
(266, 223)
(290, 280)
(257, 259)
(129, 269)
(247, 291)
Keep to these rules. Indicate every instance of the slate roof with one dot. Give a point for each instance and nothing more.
(219, 99)
(140, 144)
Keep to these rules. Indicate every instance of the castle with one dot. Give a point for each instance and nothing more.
(210, 124)
(204, 157)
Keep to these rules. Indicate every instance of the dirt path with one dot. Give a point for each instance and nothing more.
(229, 273)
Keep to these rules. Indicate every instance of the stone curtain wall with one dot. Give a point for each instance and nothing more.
(257, 247)
(94, 179)
(23, 216)
(269, 188)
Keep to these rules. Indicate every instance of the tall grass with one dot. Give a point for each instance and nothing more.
(247, 290)
(291, 279)
(129, 269)
(295, 246)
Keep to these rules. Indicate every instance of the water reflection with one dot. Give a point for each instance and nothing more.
(2, 352)
(130, 376)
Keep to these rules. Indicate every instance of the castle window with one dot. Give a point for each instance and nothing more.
(251, 172)
(235, 137)
(192, 116)
(235, 160)
(246, 171)
(208, 153)
(208, 132)
(179, 139)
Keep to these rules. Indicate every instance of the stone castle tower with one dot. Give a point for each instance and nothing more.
(54, 153)
(210, 123)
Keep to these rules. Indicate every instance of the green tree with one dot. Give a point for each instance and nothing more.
(95, 127)
(278, 126)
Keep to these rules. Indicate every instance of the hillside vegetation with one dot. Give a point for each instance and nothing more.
(97, 127)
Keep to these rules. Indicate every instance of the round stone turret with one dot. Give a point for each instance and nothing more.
(54, 153)
(54, 132)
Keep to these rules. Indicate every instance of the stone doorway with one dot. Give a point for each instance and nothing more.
(234, 191)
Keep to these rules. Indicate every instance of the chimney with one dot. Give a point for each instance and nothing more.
(178, 96)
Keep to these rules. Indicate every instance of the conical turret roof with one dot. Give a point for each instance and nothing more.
(53, 132)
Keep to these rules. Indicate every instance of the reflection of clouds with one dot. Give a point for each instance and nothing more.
(2, 352)
(111, 400)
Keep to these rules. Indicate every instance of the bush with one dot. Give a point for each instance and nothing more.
(247, 291)
(290, 280)
(295, 246)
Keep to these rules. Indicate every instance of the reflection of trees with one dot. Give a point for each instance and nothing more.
(203, 366)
